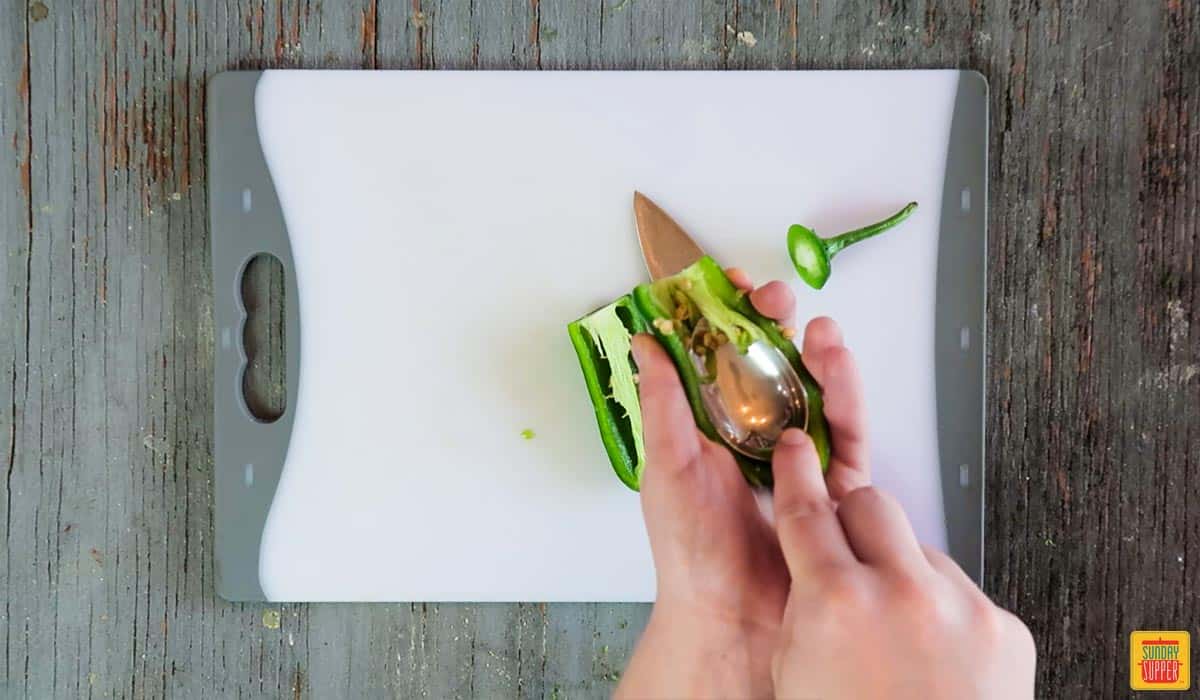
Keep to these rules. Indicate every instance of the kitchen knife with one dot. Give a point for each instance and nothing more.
(666, 247)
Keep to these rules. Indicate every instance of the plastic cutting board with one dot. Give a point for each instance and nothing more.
(437, 232)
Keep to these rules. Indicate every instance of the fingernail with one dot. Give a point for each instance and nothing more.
(794, 437)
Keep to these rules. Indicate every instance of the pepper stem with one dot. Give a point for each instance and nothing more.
(834, 245)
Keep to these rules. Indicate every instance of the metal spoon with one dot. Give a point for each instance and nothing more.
(753, 397)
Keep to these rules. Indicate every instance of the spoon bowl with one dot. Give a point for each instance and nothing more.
(753, 397)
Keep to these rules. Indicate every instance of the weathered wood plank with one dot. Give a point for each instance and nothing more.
(1094, 527)
(19, 562)
(1089, 458)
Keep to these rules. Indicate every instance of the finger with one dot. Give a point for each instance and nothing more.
(821, 333)
(775, 300)
(672, 477)
(672, 441)
(846, 411)
(809, 532)
(879, 532)
(834, 368)
(739, 278)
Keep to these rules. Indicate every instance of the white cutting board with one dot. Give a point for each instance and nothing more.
(445, 227)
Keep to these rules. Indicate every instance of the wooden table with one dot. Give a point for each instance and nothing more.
(106, 340)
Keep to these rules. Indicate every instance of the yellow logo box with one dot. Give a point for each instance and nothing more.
(1160, 660)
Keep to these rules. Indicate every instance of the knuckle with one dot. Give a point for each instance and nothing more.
(1020, 633)
(999, 628)
(931, 613)
(986, 618)
(983, 609)
(909, 591)
(799, 510)
(839, 359)
(919, 600)
(846, 588)
(840, 367)
(866, 498)
(669, 456)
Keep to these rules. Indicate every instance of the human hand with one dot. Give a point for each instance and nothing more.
(855, 582)
(722, 580)
(872, 613)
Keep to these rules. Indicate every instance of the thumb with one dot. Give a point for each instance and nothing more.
(671, 439)
(799, 482)
(810, 535)
(674, 475)
(676, 451)
(685, 472)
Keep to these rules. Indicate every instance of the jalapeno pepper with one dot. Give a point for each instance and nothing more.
(706, 295)
(701, 293)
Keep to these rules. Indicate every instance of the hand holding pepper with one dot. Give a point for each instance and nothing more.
(722, 578)
(850, 606)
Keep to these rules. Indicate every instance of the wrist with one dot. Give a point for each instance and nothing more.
(691, 651)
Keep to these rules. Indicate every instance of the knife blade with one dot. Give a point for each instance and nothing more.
(666, 247)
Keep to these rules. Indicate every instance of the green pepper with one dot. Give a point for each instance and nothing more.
(706, 293)
(701, 293)
(812, 255)
(602, 342)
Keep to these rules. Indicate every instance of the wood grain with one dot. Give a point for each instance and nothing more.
(105, 398)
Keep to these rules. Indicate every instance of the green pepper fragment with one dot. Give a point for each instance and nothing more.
(813, 255)
(602, 342)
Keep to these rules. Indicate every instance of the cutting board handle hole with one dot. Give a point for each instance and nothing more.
(264, 383)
